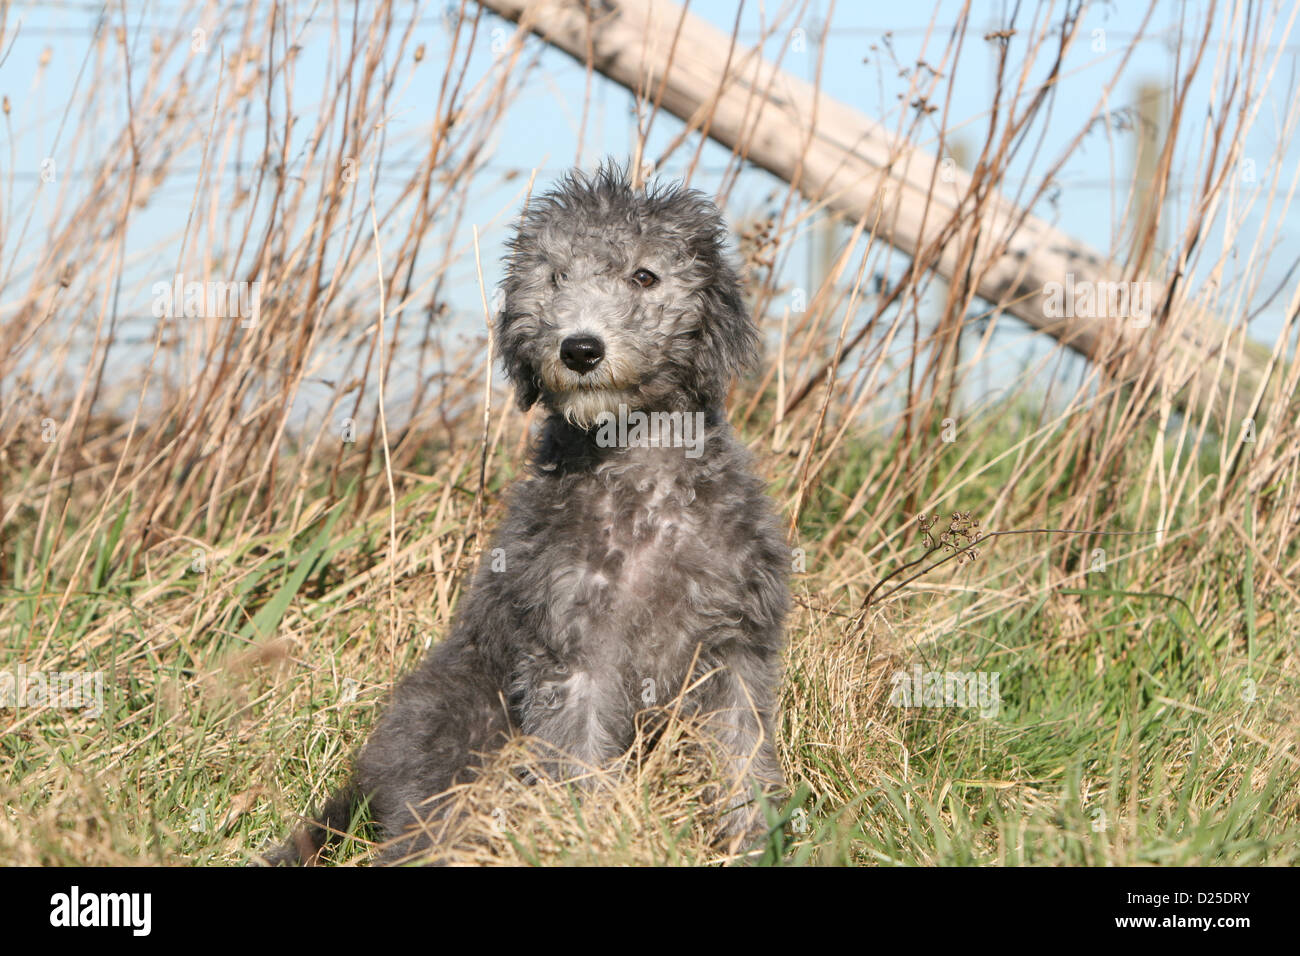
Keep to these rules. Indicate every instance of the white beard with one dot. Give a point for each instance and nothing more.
(581, 407)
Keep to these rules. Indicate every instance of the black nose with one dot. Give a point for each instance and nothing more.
(582, 353)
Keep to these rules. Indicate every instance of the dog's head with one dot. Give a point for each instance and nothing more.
(615, 295)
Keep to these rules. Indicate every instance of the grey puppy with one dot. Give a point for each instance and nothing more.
(641, 556)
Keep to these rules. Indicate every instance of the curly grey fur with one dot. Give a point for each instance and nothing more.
(615, 565)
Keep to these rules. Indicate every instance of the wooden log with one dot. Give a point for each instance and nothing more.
(835, 154)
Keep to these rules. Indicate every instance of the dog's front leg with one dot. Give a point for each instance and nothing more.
(581, 717)
(738, 721)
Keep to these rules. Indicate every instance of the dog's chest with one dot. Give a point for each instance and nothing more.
(634, 572)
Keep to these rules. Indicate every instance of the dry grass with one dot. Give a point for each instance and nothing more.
(213, 519)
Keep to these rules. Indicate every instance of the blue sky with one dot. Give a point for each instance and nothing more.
(865, 44)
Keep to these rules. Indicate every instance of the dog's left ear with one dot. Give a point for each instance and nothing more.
(729, 336)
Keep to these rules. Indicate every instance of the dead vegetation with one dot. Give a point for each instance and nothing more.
(251, 527)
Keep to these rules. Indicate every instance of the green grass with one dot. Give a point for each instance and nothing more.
(1133, 727)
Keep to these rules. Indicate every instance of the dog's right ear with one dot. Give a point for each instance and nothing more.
(511, 336)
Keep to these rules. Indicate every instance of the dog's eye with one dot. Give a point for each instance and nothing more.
(558, 277)
(644, 278)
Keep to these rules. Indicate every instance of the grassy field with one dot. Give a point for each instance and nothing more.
(1146, 711)
(1108, 549)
